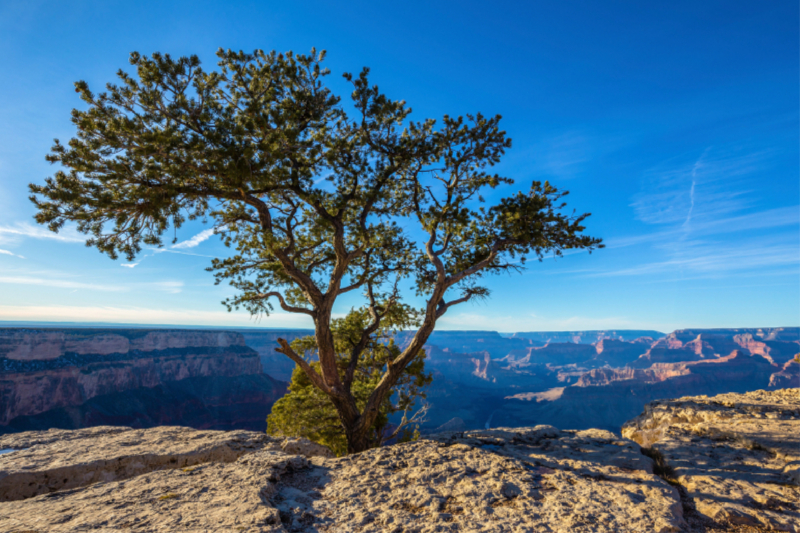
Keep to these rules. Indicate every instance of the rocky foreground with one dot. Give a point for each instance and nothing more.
(736, 457)
(728, 463)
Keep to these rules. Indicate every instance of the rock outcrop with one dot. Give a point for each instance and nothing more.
(711, 465)
(530, 479)
(57, 460)
(736, 456)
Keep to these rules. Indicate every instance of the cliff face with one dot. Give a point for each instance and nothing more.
(609, 397)
(43, 371)
(489, 342)
(215, 402)
(264, 342)
(587, 337)
(581, 385)
(36, 345)
(606, 376)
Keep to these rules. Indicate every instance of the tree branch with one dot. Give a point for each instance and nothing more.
(312, 374)
(284, 305)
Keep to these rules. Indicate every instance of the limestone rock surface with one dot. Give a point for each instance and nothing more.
(529, 479)
(723, 464)
(56, 460)
(737, 456)
(304, 447)
(212, 497)
(502, 480)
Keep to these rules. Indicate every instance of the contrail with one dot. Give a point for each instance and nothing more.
(695, 168)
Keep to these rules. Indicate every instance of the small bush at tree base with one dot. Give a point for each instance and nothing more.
(305, 411)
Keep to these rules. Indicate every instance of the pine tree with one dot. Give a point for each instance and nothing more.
(315, 200)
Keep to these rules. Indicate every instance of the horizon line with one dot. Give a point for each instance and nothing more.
(15, 324)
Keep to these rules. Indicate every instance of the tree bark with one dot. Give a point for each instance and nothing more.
(356, 432)
(357, 441)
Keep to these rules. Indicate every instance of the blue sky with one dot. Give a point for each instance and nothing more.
(674, 123)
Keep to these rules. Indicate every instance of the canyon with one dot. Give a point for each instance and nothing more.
(215, 379)
(607, 382)
(85, 377)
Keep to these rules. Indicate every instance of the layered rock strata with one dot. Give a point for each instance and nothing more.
(46, 370)
(736, 456)
(18, 344)
(213, 402)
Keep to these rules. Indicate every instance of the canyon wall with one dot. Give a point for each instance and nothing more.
(265, 341)
(587, 337)
(580, 385)
(79, 377)
(47, 344)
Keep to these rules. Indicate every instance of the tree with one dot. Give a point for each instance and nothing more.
(306, 411)
(315, 200)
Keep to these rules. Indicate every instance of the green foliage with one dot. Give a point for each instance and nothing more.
(176, 142)
(306, 411)
(316, 198)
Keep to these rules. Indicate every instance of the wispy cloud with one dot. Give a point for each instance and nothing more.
(181, 247)
(197, 239)
(6, 252)
(695, 168)
(23, 230)
(172, 287)
(59, 283)
(166, 251)
(759, 220)
(62, 280)
(564, 156)
(707, 223)
(707, 187)
(714, 259)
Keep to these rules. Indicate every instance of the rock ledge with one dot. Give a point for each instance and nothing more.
(727, 463)
(737, 456)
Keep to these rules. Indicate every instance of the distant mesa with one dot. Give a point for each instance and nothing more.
(587, 337)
